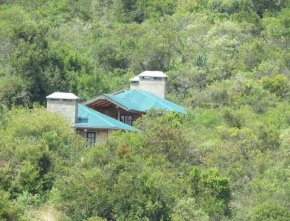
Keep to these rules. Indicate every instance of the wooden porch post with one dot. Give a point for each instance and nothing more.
(119, 114)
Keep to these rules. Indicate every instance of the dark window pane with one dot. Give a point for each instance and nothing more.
(123, 118)
(130, 120)
(91, 138)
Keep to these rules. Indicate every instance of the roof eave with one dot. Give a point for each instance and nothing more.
(136, 111)
(103, 96)
(101, 128)
(92, 100)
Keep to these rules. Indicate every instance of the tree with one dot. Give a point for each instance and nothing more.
(212, 190)
(277, 84)
(35, 149)
(186, 210)
(271, 211)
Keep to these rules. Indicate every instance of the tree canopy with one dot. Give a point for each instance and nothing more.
(228, 63)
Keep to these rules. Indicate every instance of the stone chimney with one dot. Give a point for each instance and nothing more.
(65, 104)
(154, 82)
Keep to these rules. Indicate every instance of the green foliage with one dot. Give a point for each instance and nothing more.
(271, 211)
(4, 204)
(95, 218)
(228, 62)
(262, 6)
(277, 84)
(36, 147)
(212, 190)
(206, 117)
(186, 210)
(164, 136)
(138, 11)
(123, 189)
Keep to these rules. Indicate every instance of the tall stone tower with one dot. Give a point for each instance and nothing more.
(154, 82)
(65, 104)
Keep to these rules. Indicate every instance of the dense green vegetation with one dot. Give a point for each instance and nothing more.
(229, 63)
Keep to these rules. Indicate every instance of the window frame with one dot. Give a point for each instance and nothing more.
(130, 121)
(126, 119)
(91, 143)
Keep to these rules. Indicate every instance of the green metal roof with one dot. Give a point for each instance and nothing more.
(143, 101)
(124, 102)
(89, 118)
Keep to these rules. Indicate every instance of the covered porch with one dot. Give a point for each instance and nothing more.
(111, 108)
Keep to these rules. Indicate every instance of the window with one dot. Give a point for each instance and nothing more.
(91, 136)
(130, 120)
(126, 119)
(123, 118)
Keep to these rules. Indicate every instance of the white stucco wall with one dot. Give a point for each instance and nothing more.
(101, 134)
(68, 108)
(154, 86)
(134, 85)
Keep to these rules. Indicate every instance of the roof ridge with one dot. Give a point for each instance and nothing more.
(142, 92)
(90, 111)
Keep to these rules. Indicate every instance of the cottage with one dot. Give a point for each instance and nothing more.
(93, 125)
(147, 90)
(96, 118)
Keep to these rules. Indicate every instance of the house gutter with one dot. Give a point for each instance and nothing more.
(103, 128)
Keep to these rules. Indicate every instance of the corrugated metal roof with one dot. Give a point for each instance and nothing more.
(89, 118)
(143, 101)
(62, 95)
(90, 101)
(124, 102)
